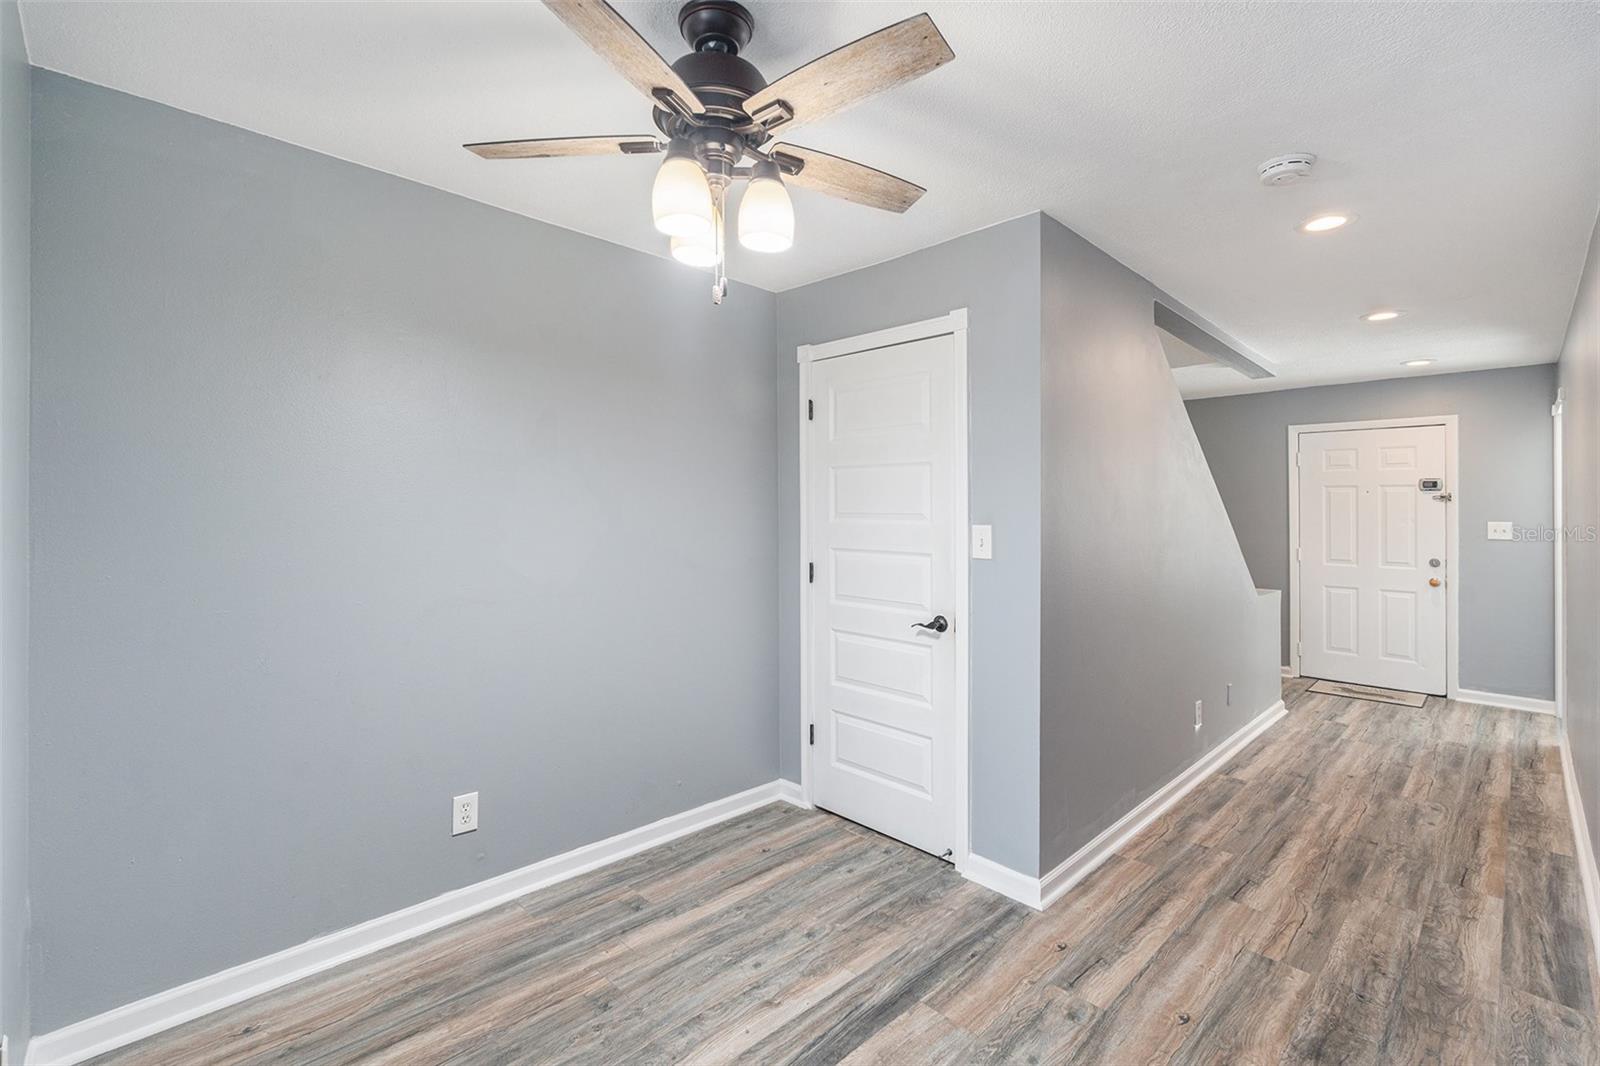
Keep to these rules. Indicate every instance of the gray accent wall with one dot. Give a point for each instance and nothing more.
(1147, 603)
(994, 274)
(15, 243)
(350, 495)
(1507, 606)
(1579, 378)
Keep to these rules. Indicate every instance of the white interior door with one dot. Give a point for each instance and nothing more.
(1373, 596)
(883, 539)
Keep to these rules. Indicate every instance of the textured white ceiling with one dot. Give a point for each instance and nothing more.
(1463, 135)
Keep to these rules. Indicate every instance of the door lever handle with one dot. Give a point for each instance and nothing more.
(938, 624)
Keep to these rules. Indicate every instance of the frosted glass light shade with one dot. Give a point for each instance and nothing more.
(680, 200)
(766, 217)
(692, 251)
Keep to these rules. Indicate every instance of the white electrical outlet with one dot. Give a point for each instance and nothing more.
(1199, 712)
(464, 814)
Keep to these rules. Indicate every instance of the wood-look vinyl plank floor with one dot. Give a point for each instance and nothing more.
(1363, 883)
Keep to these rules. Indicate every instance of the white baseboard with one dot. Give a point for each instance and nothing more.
(1040, 892)
(1583, 849)
(1003, 879)
(789, 792)
(123, 1025)
(1287, 671)
(1513, 703)
(1081, 863)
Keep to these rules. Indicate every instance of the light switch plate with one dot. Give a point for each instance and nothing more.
(983, 542)
(1499, 530)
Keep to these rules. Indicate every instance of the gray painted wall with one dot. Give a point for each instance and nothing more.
(994, 273)
(1579, 375)
(1147, 602)
(1507, 600)
(350, 495)
(15, 182)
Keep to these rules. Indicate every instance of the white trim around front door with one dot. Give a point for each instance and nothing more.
(954, 326)
(1559, 514)
(1452, 486)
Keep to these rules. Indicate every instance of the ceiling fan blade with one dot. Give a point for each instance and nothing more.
(848, 180)
(554, 147)
(619, 44)
(879, 61)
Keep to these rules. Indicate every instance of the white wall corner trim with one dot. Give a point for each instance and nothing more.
(1588, 867)
(1040, 892)
(1086, 859)
(153, 1014)
(1511, 703)
(1004, 880)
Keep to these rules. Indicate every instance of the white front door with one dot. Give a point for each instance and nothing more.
(1373, 596)
(883, 540)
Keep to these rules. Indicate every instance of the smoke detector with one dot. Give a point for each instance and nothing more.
(1286, 169)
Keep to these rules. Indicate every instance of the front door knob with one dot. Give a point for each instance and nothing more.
(938, 625)
(1434, 582)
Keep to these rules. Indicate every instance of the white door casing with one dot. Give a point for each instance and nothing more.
(1557, 420)
(1373, 552)
(883, 445)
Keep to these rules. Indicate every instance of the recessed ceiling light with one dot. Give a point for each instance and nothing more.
(1382, 316)
(1418, 362)
(1324, 223)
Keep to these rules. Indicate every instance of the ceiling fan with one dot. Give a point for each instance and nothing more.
(722, 122)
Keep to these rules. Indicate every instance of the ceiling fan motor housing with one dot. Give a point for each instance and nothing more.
(716, 30)
(720, 75)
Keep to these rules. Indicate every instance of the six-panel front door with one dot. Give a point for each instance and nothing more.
(1373, 596)
(881, 459)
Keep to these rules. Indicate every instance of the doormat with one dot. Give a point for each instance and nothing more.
(1364, 692)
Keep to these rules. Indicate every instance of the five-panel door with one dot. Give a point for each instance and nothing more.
(881, 464)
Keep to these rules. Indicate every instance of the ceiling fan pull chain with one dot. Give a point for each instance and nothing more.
(719, 278)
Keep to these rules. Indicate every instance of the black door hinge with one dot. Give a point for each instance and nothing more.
(811, 410)
(812, 736)
(811, 572)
